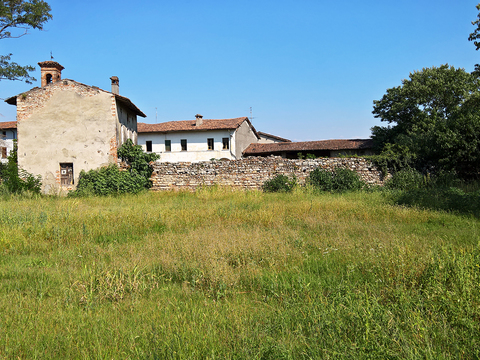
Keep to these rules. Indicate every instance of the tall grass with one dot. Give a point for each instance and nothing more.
(231, 274)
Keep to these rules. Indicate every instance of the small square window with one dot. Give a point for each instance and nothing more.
(210, 144)
(168, 145)
(226, 143)
(183, 143)
(148, 144)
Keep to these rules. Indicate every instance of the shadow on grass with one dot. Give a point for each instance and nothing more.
(447, 199)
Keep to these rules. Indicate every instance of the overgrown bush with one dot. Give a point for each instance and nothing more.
(109, 180)
(393, 158)
(406, 179)
(112, 180)
(138, 160)
(340, 179)
(321, 179)
(14, 180)
(280, 183)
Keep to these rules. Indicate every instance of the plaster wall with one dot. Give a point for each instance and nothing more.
(65, 123)
(197, 147)
(267, 139)
(243, 137)
(126, 126)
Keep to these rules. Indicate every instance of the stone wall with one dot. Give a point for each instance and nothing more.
(251, 172)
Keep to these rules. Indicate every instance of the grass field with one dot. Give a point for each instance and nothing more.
(221, 274)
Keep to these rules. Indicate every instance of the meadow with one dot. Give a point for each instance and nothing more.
(223, 274)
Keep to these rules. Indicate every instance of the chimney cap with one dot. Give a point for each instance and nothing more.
(114, 78)
(198, 116)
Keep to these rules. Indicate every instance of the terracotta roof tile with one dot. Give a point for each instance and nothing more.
(8, 125)
(190, 125)
(352, 144)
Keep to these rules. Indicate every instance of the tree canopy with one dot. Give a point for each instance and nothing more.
(475, 35)
(16, 18)
(434, 116)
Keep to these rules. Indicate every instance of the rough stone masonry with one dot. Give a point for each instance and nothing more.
(251, 172)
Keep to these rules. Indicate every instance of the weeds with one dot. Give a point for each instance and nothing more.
(236, 274)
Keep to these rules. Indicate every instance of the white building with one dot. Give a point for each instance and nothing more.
(8, 133)
(197, 140)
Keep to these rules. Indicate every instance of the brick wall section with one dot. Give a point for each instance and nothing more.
(251, 172)
(113, 154)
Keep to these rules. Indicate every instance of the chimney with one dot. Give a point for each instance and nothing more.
(199, 119)
(115, 85)
(51, 72)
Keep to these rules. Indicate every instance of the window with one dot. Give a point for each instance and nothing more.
(49, 78)
(226, 143)
(210, 144)
(4, 134)
(183, 143)
(148, 144)
(66, 174)
(4, 152)
(168, 145)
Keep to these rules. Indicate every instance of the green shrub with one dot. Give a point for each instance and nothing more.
(340, 179)
(138, 160)
(280, 183)
(406, 179)
(111, 180)
(14, 180)
(393, 158)
(321, 179)
(347, 180)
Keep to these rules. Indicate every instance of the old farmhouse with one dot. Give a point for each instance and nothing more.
(198, 140)
(65, 126)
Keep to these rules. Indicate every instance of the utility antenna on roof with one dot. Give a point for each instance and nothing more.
(51, 56)
(251, 114)
(156, 116)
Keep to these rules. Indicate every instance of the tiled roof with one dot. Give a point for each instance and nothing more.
(353, 144)
(264, 134)
(8, 125)
(190, 125)
(121, 99)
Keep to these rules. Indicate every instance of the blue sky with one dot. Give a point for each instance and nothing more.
(309, 69)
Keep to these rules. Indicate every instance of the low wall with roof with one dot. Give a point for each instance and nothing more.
(251, 172)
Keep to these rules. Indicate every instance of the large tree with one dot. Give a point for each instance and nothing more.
(475, 35)
(434, 114)
(16, 18)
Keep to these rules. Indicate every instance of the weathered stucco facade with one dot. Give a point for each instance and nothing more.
(65, 127)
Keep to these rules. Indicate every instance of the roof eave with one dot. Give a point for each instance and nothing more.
(12, 100)
(129, 104)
